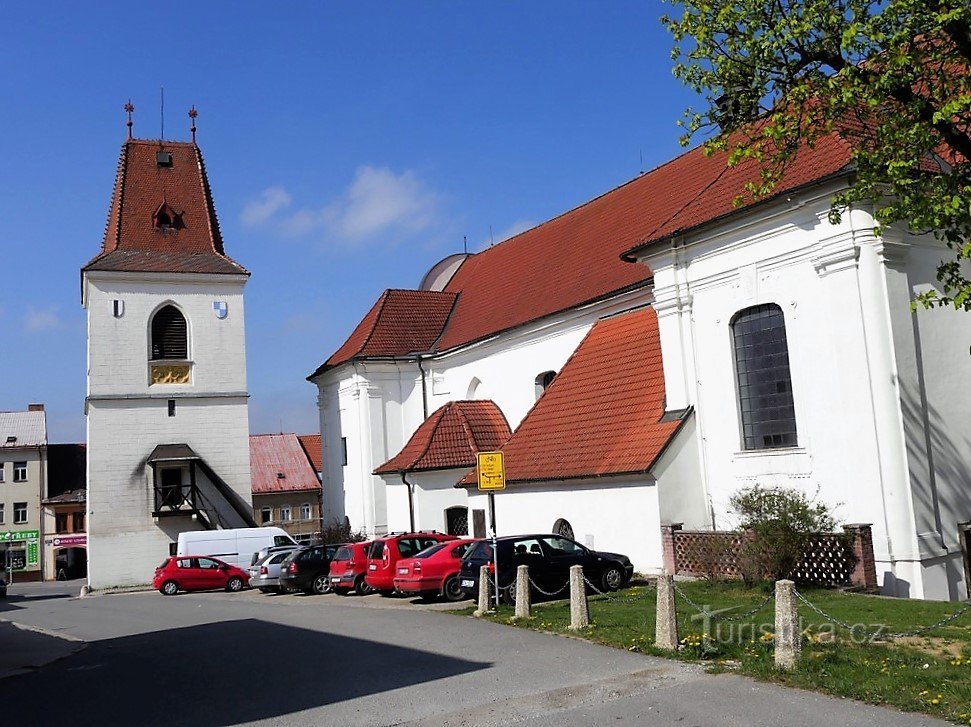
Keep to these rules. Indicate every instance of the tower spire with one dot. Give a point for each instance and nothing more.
(128, 109)
(192, 115)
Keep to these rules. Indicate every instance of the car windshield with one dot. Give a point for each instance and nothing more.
(165, 562)
(376, 550)
(481, 551)
(343, 554)
(430, 550)
(278, 558)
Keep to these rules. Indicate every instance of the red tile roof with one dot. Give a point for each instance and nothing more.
(450, 438)
(576, 258)
(602, 415)
(311, 445)
(133, 242)
(401, 322)
(273, 454)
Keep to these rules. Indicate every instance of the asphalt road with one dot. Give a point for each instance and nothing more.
(226, 659)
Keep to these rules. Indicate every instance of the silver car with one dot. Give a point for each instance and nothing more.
(265, 574)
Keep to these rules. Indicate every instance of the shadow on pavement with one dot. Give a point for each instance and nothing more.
(216, 674)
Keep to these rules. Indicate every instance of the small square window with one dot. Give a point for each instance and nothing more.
(285, 514)
(305, 511)
(19, 513)
(19, 471)
(266, 514)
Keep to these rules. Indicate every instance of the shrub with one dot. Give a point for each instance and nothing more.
(340, 532)
(782, 523)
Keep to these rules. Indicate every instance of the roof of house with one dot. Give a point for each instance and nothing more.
(22, 429)
(143, 189)
(66, 468)
(278, 463)
(451, 437)
(604, 412)
(74, 496)
(576, 258)
(312, 447)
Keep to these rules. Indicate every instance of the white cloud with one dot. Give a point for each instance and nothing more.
(259, 210)
(41, 320)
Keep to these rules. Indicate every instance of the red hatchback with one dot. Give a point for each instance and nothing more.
(197, 573)
(434, 571)
(347, 569)
(384, 554)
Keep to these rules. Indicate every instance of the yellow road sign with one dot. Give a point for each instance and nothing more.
(491, 470)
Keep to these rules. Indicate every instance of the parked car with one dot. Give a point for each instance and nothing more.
(384, 554)
(197, 573)
(348, 568)
(265, 573)
(308, 569)
(266, 550)
(232, 545)
(549, 558)
(434, 571)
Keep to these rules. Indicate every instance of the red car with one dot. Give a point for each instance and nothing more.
(197, 573)
(384, 554)
(434, 571)
(347, 569)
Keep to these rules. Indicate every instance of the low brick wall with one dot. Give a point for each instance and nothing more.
(830, 559)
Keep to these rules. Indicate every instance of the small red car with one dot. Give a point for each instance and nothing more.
(197, 573)
(347, 569)
(384, 554)
(434, 571)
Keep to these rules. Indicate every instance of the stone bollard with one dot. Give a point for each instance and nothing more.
(485, 592)
(666, 622)
(788, 639)
(579, 611)
(522, 592)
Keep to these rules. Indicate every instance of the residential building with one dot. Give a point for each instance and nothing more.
(64, 531)
(23, 477)
(166, 406)
(660, 347)
(286, 486)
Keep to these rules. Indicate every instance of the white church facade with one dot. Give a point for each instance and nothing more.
(166, 405)
(653, 351)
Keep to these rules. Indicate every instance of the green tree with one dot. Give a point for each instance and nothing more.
(890, 76)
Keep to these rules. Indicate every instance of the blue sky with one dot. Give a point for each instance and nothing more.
(349, 145)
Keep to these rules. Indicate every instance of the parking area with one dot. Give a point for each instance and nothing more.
(352, 600)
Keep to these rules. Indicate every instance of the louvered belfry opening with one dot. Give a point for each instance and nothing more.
(169, 335)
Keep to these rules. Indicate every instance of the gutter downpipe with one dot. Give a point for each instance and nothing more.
(424, 391)
(411, 500)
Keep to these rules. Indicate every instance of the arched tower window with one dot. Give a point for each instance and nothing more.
(543, 382)
(563, 527)
(169, 334)
(764, 383)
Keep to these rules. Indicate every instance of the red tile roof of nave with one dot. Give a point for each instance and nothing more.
(271, 454)
(602, 413)
(311, 445)
(399, 323)
(132, 242)
(451, 437)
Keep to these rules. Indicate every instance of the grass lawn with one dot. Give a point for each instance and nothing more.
(930, 673)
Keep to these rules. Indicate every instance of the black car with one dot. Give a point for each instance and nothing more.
(307, 569)
(549, 558)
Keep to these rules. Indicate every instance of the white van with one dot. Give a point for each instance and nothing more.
(233, 545)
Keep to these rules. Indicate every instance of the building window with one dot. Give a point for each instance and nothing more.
(563, 527)
(77, 522)
(457, 520)
(305, 511)
(19, 471)
(266, 514)
(1, 513)
(344, 451)
(60, 522)
(285, 514)
(1, 471)
(764, 383)
(543, 382)
(19, 513)
(169, 334)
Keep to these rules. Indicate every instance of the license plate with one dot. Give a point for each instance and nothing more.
(372, 567)
(466, 583)
(335, 579)
(403, 571)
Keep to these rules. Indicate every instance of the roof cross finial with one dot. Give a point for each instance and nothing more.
(192, 115)
(128, 109)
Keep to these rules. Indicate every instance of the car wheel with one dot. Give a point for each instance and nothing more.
(452, 590)
(507, 594)
(612, 579)
(169, 588)
(234, 584)
(361, 587)
(263, 589)
(321, 584)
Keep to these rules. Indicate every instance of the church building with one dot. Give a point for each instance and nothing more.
(653, 351)
(166, 405)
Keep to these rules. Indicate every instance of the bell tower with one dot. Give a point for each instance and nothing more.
(166, 405)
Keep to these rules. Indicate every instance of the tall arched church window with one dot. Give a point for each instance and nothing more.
(543, 382)
(764, 383)
(169, 334)
(563, 527)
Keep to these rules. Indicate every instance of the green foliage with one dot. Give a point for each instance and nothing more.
(889, 76)
(783, 522)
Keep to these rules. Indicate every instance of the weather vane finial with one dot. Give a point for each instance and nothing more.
(128, 109)
(192, 115)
